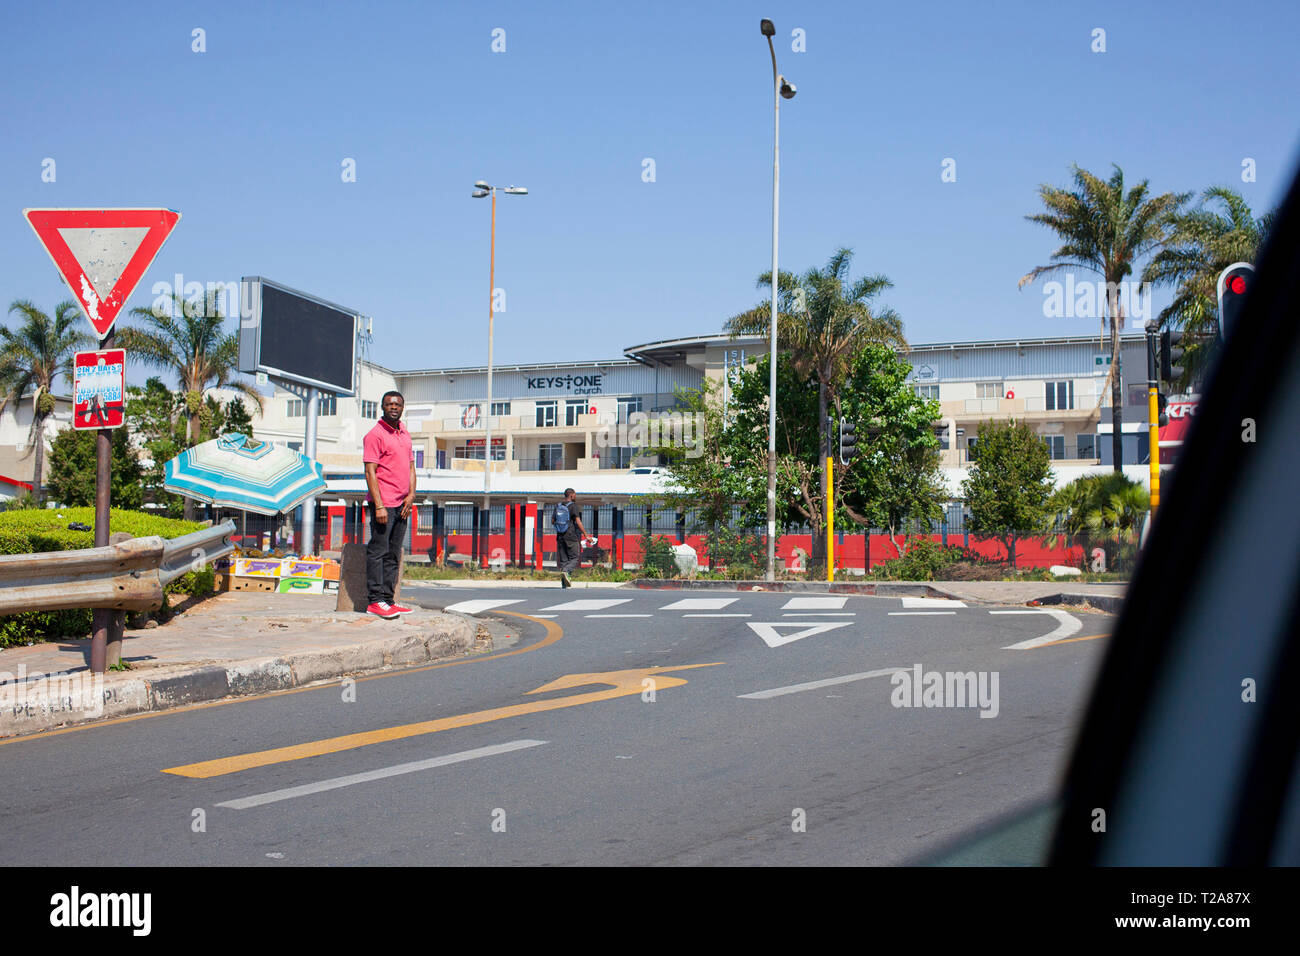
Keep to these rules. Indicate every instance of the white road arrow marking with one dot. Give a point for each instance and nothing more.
(1067, 624)
(770, 634)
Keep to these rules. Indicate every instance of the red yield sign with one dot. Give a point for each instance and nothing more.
(102, 253)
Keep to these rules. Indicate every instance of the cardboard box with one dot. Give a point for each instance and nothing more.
(301, 586)
(258, 567)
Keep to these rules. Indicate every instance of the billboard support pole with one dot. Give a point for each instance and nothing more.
(308, 545)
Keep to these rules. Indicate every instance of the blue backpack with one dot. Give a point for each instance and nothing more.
(560, 517)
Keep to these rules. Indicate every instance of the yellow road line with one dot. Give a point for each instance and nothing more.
(553, 633)
(1071, 640)
(623, 683)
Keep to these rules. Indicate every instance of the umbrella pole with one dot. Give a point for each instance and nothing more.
(243, 528)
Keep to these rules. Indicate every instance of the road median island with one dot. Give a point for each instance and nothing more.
(233, 645)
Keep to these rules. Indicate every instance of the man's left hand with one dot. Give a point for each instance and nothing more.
(406, 507)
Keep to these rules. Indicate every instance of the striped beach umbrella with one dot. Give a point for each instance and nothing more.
(236, 471)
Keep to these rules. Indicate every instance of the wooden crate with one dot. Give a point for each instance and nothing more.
(229, 582)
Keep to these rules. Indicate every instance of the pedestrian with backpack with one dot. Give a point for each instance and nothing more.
(569, 534)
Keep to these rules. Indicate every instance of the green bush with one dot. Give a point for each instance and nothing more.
(926, 560)
(657, 558)
(736, 555)
(32, 531)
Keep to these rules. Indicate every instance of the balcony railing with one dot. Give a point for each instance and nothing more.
(555, 463)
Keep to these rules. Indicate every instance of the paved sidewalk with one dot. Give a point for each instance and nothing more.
(229, 645)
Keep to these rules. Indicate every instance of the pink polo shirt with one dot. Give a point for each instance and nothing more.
(390, 450)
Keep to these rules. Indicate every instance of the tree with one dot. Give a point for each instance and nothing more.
(895, 480)
(153, 417)
(1204, 243)
(822, 320)
(1106, 230)
(72, 470)
(1009, 484)
(32, 357)
(188, 341)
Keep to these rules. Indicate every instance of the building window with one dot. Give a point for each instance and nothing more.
(1055, 446)
(626, 406)
(988, 389)
(1060, 396)
(1087, 446)
(424, 519)
(419, 458)
(369, 409)
(325, 405)
(572, 409)
(546, 414)
(927, 392)
(970, 449)
(550, 457)
(500, 408)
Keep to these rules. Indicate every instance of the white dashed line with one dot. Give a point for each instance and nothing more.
(699, 604)
(814, 604)
(590, 604)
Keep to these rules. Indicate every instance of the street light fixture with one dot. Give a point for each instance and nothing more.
(781, 88)
(481, 191)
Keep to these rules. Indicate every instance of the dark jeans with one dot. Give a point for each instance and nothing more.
(568, 553)
(383, 553)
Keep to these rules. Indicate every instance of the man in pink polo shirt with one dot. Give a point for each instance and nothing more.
(390, 477)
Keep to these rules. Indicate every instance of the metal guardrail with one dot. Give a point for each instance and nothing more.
(129, 576)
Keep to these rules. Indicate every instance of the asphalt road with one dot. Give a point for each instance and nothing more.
(670, 733)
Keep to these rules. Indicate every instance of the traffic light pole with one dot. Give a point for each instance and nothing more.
(1153, 416)
(830, 518)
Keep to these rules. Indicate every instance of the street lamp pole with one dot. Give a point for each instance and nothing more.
(780, 88)
(482, 189)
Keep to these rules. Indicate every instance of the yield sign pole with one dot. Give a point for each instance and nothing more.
(102, 254)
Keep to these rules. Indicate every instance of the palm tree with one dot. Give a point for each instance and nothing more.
(32, 357)
(189, 341)
(823, 319)
(1204, 243)
(1106, 230)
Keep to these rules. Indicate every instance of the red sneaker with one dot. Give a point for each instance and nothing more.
(401, 609)
(382, 609)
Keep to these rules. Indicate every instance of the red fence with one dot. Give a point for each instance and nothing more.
(522, 540)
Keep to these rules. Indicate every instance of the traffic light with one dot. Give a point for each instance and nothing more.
(1234, 282)
(1161, 402)
(1169, 355)
(848, 440)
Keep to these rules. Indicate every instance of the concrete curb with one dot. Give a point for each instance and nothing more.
(70, 699)
(1101, 602)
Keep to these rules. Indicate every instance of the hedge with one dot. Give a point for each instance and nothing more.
(29, 531)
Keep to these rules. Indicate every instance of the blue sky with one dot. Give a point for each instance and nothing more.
(248, 141)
